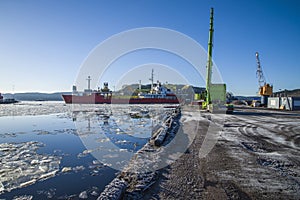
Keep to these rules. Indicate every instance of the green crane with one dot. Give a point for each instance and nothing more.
(215, 96)
(209, 57)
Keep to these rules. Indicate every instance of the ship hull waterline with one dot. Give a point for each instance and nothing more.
(97, 99)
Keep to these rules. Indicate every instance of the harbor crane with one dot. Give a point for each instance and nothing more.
(215, 94)
(265, 89)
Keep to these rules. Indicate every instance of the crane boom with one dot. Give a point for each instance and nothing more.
(259, 72)
(215, 93)
(265, 89)
(209, 55)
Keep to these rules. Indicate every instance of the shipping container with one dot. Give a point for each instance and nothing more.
(264, 100)
(274, 102)
(284, 103)
(296, 103)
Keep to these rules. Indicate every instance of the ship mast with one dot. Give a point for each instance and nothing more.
(152, 79)
(89, 82)
(140, 85)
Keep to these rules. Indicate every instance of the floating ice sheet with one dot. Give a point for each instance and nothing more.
(21, 165)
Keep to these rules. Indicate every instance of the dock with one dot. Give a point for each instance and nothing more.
(256, 156)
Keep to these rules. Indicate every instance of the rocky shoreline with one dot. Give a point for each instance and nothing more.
(141, 174)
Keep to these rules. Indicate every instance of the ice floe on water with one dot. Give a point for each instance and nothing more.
(21, 165)
(23, 197)
(83, 195)
(48, 193)
(34, 108)
(57, 142)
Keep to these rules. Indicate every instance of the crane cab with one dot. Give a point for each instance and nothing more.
(266, 90)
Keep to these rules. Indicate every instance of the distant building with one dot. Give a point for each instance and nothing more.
(188, 92)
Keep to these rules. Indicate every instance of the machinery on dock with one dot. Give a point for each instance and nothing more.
(215, 94)
(265, 89)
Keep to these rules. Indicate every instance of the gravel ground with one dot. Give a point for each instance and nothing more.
(256, 157)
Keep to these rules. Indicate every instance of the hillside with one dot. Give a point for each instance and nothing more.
(36, 96)
(294, 93)
(182, 91)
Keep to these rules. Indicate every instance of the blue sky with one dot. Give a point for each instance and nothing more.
(44, 43)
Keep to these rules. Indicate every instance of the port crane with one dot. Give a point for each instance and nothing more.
(265, 89)
(215, 94)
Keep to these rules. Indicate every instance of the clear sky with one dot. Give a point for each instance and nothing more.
(43, 43)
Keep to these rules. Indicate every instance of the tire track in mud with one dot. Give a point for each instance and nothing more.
(264, 135)
(292, 127)
(292, 132)
(252, 134)
(296, 141)
(286, 134)
(246, 163)
(248, 130)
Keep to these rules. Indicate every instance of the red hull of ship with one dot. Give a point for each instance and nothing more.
(99, 99)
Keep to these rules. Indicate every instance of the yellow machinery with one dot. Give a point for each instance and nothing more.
(266, 90)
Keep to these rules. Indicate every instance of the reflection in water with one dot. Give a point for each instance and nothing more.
(34, 173)
(113, 136)
(87, 141)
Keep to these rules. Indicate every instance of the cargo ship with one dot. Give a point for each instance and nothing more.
(7, 101)
(158, 94)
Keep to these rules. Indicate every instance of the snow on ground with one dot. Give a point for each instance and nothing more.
(266, 146)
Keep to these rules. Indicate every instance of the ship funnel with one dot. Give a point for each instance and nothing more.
(74, 88)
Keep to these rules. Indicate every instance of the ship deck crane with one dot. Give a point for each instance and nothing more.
(265, 89)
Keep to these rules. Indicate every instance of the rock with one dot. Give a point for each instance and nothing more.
(114, 190)
(160, 136)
